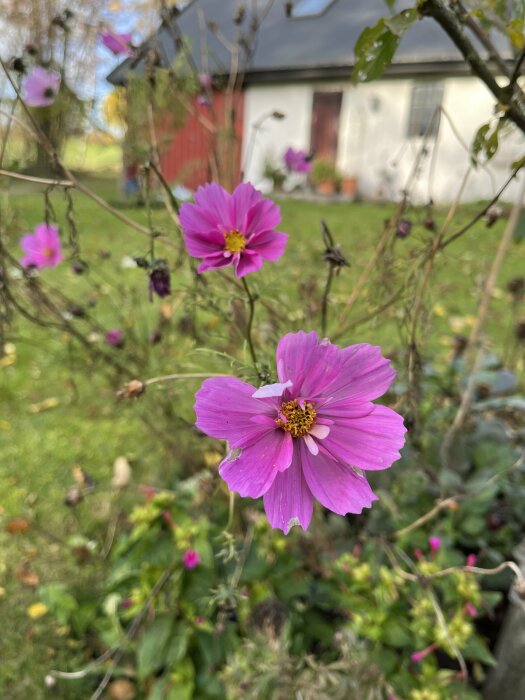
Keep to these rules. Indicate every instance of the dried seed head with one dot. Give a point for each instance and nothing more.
(132, 390)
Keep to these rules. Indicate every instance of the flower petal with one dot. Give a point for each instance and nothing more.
(214, 262)
(264, 216)
(271, 390)
(310, 363)
(225, 409)
(216, 205)
(289, 500)
(244, 198)
(248, 262)
(334, 485)
(254, 470)
(372, 441)
(270, 244)
(365, 374)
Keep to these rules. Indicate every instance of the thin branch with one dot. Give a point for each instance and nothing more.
(39, 180)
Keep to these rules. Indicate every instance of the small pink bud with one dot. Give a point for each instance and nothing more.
(471, 610)
(166, 516)
(418, 554)
(418, 656)
(200, 619)
(191, 559)
(472, 560)
(435, 544)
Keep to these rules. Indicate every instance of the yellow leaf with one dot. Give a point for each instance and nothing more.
(37, 610)
(5, 425)
(44, 405)
(7, 360)
(439, 310)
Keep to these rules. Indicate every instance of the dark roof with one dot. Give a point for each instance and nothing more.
(293, 47)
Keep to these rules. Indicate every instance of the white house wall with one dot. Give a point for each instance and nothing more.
(373, 142)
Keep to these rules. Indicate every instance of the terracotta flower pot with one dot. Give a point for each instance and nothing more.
(326, 188)
(349, 187)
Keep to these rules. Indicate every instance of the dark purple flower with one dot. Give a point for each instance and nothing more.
(115, 337)
(40, 87)
(297, 161)
(403, 228)
(159, 281)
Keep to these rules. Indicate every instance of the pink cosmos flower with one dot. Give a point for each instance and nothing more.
(40, 87)
(310, 435)
(297, 161)
(118, 44)
(115, 337)
(191, 559)
(434, 544)
(42, 247)
(232, 229)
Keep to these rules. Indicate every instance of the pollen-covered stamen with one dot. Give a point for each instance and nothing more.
(234, 242)
(296, 419)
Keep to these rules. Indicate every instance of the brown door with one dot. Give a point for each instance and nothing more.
(325, 124)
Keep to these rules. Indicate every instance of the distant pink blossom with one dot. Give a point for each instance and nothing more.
(200, 619)
(472, 560)
(40, 87)
(297, 161)
(191, 559)
(418, 656)
(42, 247)
(205, 81)
(115, 337)
(118, 44)
(203, 100)
(434, 544)
(471, 610)
(232, 229)
(418, 553)
(308, 436)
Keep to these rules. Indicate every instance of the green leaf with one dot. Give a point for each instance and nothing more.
(178, 643)
(476, 650)
(152, 647)
(376, 46)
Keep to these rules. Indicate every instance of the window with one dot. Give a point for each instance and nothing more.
(310, 8)
(424, 115)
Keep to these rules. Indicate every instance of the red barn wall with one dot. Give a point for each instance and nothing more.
(186, 160)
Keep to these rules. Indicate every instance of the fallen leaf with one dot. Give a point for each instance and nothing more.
(121, 473)
(122, 689)
(37, 610)
(26, 576)
(17, 526)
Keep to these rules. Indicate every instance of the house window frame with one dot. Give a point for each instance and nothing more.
(425, 98)
(312, 13)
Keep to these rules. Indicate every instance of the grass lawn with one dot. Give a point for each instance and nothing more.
(57, 407)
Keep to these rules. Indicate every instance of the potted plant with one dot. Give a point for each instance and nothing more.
(349, 186)
(324, 177)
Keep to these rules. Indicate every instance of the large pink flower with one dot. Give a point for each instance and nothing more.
(232, 229)
(297, 161)
(40, 87)
(310, 435)
(117, 43)
(42, 247)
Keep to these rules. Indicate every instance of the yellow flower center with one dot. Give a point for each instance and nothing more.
(47, 252)
(235, 242)
(298, 420)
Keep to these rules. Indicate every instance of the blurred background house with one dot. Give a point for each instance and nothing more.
(300, 66)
